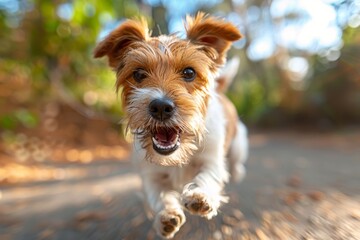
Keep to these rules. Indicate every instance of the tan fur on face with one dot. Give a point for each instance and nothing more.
(164, 59)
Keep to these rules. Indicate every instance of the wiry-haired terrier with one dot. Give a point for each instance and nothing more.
(187, 133)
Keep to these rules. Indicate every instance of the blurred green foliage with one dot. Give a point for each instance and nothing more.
(19, 116)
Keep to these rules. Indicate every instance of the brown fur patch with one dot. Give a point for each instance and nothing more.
(213, 32)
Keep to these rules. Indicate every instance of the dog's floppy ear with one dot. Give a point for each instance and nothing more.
(116, 43)
(213, 32)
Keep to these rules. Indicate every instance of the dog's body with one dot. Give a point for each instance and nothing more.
(187, 134)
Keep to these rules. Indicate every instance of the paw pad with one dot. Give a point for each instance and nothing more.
(197, 205)
(168, 222)
(198, 202)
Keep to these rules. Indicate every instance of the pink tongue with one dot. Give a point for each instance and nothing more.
(166, 135)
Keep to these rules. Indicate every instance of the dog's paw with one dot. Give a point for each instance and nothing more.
(168, 222)
(196, 201)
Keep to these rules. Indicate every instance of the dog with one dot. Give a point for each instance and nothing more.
(187, 135)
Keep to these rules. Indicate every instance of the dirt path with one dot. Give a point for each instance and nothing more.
(298, 187)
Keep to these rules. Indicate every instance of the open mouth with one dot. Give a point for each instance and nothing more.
(166, 140)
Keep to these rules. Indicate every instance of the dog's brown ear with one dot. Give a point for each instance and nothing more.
(212, 32)
(116, 43)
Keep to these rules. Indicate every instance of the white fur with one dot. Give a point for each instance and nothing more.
(140, 95)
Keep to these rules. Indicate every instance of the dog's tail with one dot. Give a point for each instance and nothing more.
(227, 74)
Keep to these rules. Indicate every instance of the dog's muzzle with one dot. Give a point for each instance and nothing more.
(165, 139)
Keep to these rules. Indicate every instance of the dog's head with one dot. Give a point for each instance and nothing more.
(166, 82)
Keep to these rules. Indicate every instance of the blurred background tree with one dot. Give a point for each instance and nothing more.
(299, 59)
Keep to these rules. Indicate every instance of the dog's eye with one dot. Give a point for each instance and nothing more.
(139, 75)
(189, 74)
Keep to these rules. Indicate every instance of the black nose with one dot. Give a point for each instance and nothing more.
(162, 109)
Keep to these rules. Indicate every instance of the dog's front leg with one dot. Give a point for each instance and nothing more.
(203, 196)
(163, 201)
